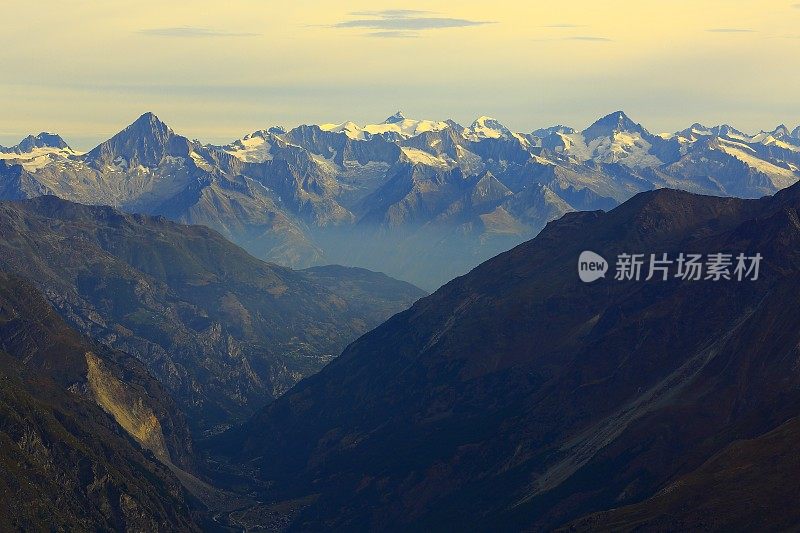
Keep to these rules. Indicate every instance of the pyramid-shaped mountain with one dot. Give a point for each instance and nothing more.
(147, 141)
(611, 123)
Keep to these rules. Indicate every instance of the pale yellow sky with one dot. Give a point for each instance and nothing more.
(218, 70)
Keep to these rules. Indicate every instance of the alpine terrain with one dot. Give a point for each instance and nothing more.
(421, 200)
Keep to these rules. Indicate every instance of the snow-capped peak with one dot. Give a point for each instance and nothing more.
(37, 151)
(726, 130)
(694, 131)
(396, 127)
(255, 147)
(486, 128)
(612, 123)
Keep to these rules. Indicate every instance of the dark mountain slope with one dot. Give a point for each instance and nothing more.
(750, 485)
(518, 397)
(67, 464)
(222, 330)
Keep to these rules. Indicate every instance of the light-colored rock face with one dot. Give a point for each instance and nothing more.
(127, 406)
(66, 464)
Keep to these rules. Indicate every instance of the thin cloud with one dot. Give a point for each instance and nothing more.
(403, 23)
(588, 38)
(193, 32)
(394, 34)
(579, 38)
(796, 6)
(395, 13)
(730, 30)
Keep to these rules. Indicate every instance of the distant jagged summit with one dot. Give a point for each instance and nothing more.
(558, 128)
(780, 131)
(726, 130)
(694, 131)
(32, 142)
(394, 119)
(43, 140)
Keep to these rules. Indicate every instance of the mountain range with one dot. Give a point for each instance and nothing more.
(155, 376)
(421, 200)
(518, 398)
(222, 331)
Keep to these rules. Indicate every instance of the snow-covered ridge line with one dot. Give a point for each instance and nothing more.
(283, 192)
(611, 139)
(398, 127)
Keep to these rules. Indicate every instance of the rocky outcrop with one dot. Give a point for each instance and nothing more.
(126, 406)
(66, 463)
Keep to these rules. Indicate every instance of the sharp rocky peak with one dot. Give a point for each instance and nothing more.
(146, 141)
(148, 123)
(611, 123)
(552, 130)
(397, 117)
(780, 131)
(726, 130)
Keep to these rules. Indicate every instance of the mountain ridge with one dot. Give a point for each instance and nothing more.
(517, 397)
(41, 140)
(616, 120)
(223, 331)
(393, 197)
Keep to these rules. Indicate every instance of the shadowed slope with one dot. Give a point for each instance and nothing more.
(517, 397)
(223, 331)
(66, 462)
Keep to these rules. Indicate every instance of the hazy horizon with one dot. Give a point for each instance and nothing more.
(92, 141)
(216, 72)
